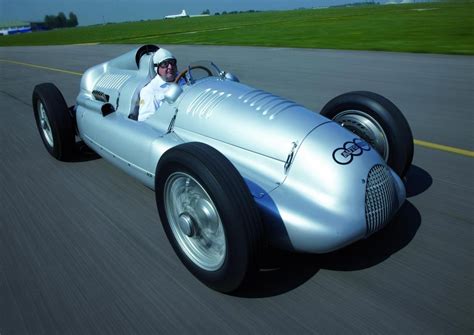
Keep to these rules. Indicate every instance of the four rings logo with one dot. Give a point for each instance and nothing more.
(346, 154)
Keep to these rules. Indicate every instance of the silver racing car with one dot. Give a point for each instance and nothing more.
(236, 169)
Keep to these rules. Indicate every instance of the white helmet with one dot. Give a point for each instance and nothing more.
(161, 55)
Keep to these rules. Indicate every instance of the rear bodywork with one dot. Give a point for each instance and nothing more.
(318, 186)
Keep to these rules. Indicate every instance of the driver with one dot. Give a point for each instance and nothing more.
(152, 95)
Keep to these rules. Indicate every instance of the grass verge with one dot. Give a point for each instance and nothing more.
(441, 27)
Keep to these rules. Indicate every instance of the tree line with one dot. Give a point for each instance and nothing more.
(60, 20)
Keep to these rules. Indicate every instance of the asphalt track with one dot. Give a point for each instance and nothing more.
(82, 250)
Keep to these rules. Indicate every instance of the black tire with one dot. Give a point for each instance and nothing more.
(379, 122)
(203, 166)
(54, 121)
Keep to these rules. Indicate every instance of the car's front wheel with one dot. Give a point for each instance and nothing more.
(379, 122)
(209, 215)
(54, 121)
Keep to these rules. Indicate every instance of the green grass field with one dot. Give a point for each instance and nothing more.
(442, 27)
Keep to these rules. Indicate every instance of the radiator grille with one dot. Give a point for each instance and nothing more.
(381, 199)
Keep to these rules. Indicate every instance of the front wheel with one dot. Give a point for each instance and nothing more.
(209, 215)
(54, 121)
(379, 122)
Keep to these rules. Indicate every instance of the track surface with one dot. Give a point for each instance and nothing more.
(82, 250)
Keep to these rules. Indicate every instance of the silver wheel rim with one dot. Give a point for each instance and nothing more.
(45, 125)
(194, 221)
(366, 127)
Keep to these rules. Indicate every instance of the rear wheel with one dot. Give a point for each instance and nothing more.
(209, 215)
(379, 122)
(54, 121)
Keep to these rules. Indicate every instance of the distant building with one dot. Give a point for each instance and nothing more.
(16, 27)
(36, 26)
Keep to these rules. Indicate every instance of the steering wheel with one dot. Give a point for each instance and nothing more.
(182, 74)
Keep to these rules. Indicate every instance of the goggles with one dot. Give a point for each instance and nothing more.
(164, 64)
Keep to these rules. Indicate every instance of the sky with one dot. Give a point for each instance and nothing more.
(102, 11)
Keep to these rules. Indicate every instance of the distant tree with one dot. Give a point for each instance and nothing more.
(50, 21)
(72, 21)
(61, 20)
(206, 12)
(224, 13)
(217, 13)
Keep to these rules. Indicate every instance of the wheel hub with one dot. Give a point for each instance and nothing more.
(45, 126)
(194, 221)
(187, 225)
(207, 213)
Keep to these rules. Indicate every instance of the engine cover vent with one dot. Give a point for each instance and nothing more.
(266, 103)
(112, 81)
(381, 200)
(204, 104)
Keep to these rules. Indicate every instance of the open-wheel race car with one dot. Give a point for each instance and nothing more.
(236, 169)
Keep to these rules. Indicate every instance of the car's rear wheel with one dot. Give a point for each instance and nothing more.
(54, 121)
(379, 122)
(209, 215)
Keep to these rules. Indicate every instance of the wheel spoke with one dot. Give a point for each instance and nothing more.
(366, 127)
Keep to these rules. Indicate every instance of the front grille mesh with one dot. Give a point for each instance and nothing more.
(381, 199)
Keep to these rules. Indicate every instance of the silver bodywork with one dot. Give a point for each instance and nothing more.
(317, 185)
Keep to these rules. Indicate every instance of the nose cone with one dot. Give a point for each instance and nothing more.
(323, 201)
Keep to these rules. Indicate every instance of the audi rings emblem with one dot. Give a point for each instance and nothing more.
(349, 150)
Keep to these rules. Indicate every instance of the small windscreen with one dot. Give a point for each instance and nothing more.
(202, 69)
